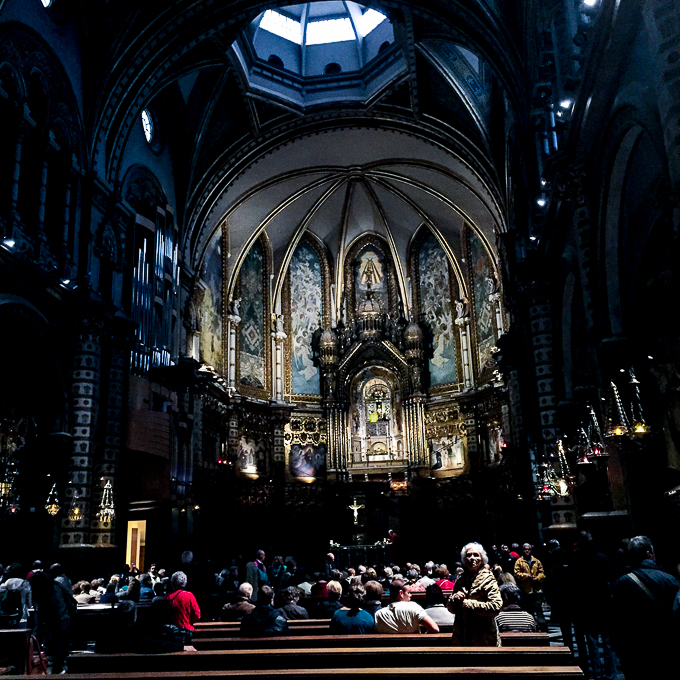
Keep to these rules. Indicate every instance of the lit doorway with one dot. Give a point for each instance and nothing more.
(136, 544)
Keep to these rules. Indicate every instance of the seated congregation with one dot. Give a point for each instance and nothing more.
(489, 601)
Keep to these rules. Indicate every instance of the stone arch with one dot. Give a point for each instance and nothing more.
(628, 133)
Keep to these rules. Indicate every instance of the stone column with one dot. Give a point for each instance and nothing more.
(85, 392)
(541, 341)
(233, 321)
(463, 323)
(278, 337)
(106, 467)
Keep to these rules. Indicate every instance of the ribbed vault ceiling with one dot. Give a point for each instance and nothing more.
(344, 183)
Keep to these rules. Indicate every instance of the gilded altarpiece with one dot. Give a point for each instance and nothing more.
(446, 435)
(306, 445)
(435, 292)
(306, 298)
(252, 362)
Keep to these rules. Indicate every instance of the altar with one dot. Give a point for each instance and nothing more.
(368, 555)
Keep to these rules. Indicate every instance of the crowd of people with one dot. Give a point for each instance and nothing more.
(603, 607)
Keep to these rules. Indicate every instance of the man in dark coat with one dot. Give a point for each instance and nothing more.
(644, 628)
(264, 619)
(243, 605)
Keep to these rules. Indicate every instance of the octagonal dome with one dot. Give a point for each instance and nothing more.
(320, 52)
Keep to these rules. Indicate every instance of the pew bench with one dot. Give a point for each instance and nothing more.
(320, 658)
(415, 673)
(370, 640)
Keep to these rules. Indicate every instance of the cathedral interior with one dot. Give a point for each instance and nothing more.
(274, 260)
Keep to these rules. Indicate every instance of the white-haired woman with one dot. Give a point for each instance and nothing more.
(476, 601)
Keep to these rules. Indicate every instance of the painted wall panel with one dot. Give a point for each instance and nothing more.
(437, 310)
(306, 305)
(251, 328)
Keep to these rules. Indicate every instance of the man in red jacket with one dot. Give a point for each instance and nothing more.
(185, 611)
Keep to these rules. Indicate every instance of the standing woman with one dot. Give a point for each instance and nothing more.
(476, 601)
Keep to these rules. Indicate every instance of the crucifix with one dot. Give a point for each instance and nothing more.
(355, 509)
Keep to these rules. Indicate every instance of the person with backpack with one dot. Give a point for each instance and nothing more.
(645, 629)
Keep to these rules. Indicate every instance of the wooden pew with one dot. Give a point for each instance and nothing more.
(294, 631)
(371, 640)
(316, 658)
(416, 673)
(297, 623)
(324, 641)
(525, 640)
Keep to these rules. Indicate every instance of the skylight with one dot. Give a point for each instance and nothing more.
(329, 31)
(320, 32)
(369, 20)
(282, 26)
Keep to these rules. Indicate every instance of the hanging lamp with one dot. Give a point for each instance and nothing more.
(107, 512)
(52, 505)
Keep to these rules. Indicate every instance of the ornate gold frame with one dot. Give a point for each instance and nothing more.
(247, 390)
(446, 421)
(481, 376)
(414, 251)
(319, 248)
(304, 429)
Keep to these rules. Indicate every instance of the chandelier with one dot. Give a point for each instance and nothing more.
(52, 505)
(75, 514)
(107, 512)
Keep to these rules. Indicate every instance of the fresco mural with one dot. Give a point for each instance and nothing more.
(437, 310)
(251, 458)
(370, 267)
(210, 309)
(251, 328)
(483, 288)
(307, 460)
(306, 307)
(447, 453)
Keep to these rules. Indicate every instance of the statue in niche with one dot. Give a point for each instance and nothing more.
(370, 272)
(234, 307)
(488, 313)
(461, 311)
(279, 330)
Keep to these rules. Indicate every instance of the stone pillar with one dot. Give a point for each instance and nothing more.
(278, 338)
(106, 467)
(233, 321)
(85, 393)
(463, 323)
(542, 344)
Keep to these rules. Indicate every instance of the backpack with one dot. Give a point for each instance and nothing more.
(11, 608)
